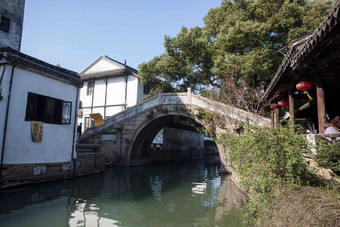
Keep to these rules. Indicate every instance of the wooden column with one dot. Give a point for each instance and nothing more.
(320, 96)
(92, 101)
(291, 109)
(272, 118)
(277, 121)
(106, 80)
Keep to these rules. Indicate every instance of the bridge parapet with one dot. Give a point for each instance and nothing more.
(186, 99)
(229, 111)
(147, 104)
(133, 130)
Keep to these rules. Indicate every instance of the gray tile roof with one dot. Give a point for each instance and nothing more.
(108, 74)
(35, 65)
(124, 71)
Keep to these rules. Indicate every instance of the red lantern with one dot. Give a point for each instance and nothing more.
(283, 103)
(273, 106)
(304, 85)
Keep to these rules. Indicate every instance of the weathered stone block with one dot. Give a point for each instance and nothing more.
(39, 170)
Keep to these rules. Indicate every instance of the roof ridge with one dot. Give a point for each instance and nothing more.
(125, 65)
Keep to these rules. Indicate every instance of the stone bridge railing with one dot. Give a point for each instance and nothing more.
(181, 99)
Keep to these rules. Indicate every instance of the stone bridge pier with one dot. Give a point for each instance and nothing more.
(126, 137)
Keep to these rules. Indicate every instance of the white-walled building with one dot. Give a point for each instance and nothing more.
(38, 108)
(109, 87)
(38, 112)
(33, 90)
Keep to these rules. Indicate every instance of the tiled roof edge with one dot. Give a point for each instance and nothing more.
(110, 73)
(325, 27)
(36, 65)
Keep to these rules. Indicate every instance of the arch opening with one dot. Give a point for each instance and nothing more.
(181, 141)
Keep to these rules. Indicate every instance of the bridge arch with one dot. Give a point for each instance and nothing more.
(142, 139)
(136, 127)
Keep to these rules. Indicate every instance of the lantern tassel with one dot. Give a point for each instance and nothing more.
(310, 97)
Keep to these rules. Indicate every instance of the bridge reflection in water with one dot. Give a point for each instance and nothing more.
(187, 193)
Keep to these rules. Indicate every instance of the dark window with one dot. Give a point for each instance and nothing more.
(87, 122)
(146, 89)
(4, 24)
(90, 86)
(47, 109)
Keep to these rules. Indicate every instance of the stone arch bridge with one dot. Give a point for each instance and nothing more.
(126, 137)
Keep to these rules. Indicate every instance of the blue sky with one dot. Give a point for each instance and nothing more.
(75, 33)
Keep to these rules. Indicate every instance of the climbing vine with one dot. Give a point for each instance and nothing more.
(210, 119)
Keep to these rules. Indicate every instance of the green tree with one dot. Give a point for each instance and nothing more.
(186, 63)
(239, 44)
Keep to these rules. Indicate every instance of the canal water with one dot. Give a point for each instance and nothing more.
(189, 193)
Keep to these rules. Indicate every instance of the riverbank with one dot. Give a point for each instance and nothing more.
(304, 206)
(281, 183)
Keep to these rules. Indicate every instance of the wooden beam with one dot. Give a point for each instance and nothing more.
(334, 135)
(272, 118)
(305, 106)
(291, 109)
(277, 123)
(320, 104)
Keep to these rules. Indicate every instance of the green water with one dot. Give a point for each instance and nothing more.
(178, 194)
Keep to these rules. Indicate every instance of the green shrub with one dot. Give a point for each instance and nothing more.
(265, 158)
(329, 156)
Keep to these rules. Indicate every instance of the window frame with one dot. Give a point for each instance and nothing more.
(64, 119)
(87, 122)
(146, 89)
(90, 89)
(47, 109)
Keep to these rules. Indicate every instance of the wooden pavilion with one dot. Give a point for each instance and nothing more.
(314, 58)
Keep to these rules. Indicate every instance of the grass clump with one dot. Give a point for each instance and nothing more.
(303, 206)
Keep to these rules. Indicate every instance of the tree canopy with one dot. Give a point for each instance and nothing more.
(242, 42)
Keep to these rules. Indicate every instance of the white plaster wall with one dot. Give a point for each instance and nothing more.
(3, 102)
(113, 110)
(140, 92)
(86, 99)
(115, 96)
(86, 111)
(104, 65)
(56, 145)
(132, 91)
(99, 93)
(99, 110)
(115, 91)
